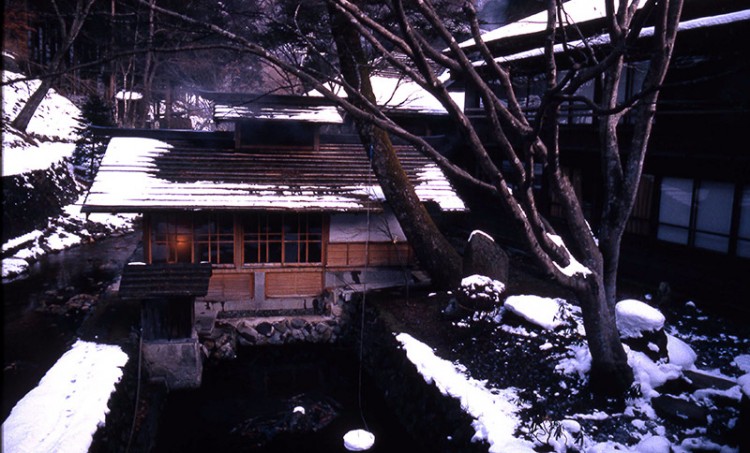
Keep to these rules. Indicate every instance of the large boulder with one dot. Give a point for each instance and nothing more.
(483, 256)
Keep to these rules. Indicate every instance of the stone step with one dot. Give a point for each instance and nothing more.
(680, 411)
(701, 380)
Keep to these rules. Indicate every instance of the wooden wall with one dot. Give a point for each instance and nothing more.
(380, 254)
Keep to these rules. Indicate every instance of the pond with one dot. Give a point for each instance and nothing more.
(248, 404)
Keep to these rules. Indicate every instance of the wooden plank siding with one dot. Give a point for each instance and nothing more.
(380, 254)
(235, 285)
(294, 284)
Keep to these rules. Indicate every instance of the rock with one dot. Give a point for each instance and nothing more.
(298, 323)
(453, 310)
(680, 411)
(81, 301)
(280, 326)
(484, 256)
(247, 332)
(641, 327)
(225, 352)
(265, 328)
(700, 380)
(480, 293)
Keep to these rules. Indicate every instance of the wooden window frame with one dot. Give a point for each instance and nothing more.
(283, 230)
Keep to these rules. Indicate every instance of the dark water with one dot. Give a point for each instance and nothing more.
(264, 384)
(33, 341)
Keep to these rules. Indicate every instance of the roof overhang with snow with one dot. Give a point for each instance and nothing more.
(691, 32)
(584, 15)
(229, 107)
(142, 174)
(585, 20)
(400, 96)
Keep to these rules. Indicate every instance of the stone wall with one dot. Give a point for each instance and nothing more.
(176, 362)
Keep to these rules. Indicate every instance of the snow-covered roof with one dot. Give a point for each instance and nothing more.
(237, 106)
(402, 95)
(603, 39)
(575, 12)
(141, 174)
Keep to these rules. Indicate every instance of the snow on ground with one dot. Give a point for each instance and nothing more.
(545, 312)
(68, 230)
(494, 411)
(497, 411)
(53, 128)
(63, 412)
(56, 119)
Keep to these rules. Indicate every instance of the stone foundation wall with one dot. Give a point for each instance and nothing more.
(178, 363)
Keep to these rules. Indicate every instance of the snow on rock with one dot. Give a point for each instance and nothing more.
(63, 412)
(650, 375)
(577, 362)
(654, 444)
(481, 291)
(358, 440)
(480, 232)
(14, 266)
(494, 410)
(635, 317)
(544, 312)
(743, 362)
(680, 353)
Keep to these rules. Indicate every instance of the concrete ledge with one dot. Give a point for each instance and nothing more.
(178, 363)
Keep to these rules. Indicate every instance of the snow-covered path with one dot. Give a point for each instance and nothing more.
(64, 411)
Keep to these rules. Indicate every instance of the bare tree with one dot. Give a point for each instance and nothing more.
(520, 142)
(69, 33)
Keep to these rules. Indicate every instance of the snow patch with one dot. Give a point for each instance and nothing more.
(635, 317)
(63, 412)
(542, 311)
(680, 353)
(494, 410)
(574, 267)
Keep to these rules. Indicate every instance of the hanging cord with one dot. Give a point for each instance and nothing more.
(364, 299)
(137, 386)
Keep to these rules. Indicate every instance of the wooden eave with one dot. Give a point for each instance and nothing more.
(144, 281)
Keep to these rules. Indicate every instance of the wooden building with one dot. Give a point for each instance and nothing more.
(693, 204)
(285, 206)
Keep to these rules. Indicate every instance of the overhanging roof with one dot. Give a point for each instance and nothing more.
(255, 106)
(141, 280)
(693, 28)
(142, 174)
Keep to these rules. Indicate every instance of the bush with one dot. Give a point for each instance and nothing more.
(89, 147)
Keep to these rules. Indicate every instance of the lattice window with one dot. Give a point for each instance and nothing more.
(282, 238)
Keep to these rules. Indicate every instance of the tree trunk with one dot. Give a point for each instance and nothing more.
(435, 254)
(610, 374)
(21, 121)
